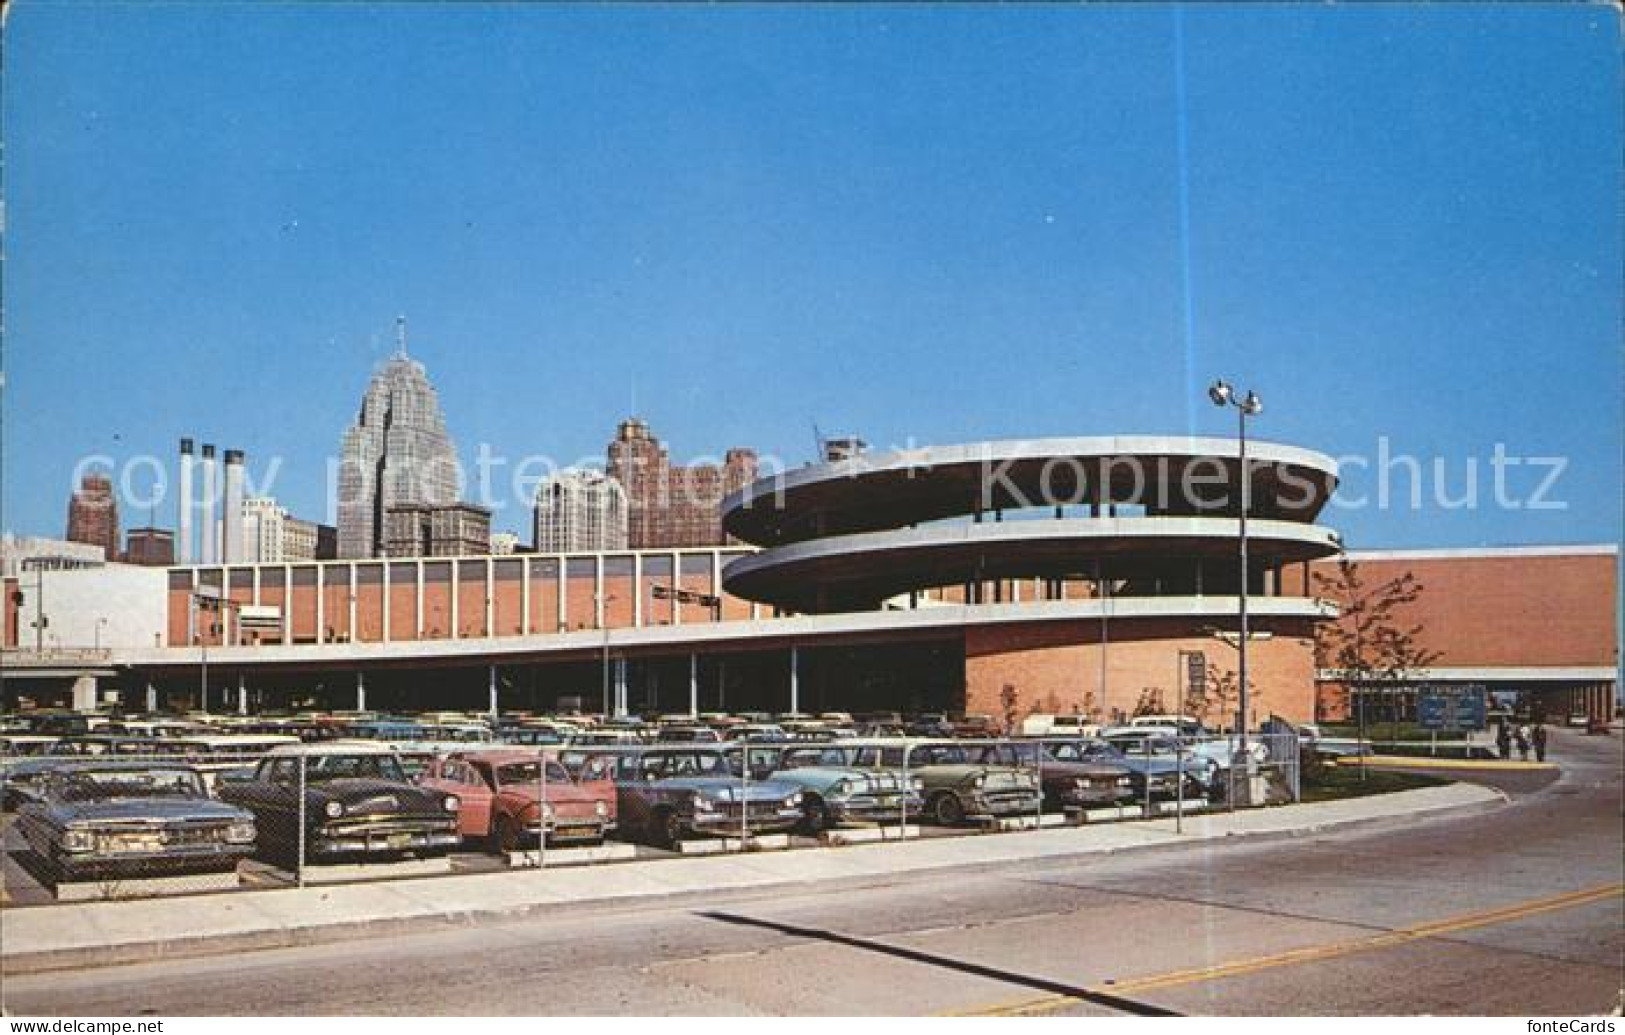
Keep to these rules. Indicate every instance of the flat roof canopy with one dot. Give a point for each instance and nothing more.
(859, 571)
(1165, 475)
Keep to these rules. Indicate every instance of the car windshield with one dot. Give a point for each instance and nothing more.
(686, 763)
(1099, 749)
(129, 783)
(939, 754)
(530, 772)
(341, 767)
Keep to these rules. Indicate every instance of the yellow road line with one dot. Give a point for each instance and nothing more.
(1310, 954)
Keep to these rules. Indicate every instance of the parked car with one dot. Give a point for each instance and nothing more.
(358, 803)
(973, 727)
(1162, 772)
(688, 733)
(1041, 725)
(954, 787)
(832, 792)
(501, 798)
(1075, 781)
(23, 745)
(1182, 725)
(665, 795)
(103, 820)
(23, 779)
(757, 733)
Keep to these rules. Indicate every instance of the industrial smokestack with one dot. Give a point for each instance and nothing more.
(183, 520)
(231, 510)
(209, 527)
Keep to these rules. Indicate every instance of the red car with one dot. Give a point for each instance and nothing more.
(504, 798)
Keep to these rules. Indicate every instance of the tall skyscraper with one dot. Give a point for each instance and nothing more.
(397, 453)
(580, 511)
(93, 515)
(672, 506)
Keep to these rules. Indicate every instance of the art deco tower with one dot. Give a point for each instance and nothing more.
(397, 452)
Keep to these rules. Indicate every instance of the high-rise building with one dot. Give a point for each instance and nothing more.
(153, 547)
(93, 515)
(579, 511)
(670, 506)
(396, 453)
(271, 534)
(437, 530)
(504, 544)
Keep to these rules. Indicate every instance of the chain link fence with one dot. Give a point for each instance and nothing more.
(106, 820)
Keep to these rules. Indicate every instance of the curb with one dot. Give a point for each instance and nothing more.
(282, 937)
(1485, 765)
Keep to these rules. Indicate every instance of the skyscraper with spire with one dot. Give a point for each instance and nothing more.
(397, 453)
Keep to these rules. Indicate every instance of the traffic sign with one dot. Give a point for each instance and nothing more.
(1451, 709)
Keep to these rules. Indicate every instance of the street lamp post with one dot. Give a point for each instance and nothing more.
(1223, 395)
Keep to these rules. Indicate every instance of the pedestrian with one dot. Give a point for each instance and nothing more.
(1503, 741)
(1522, 738)
(1539, 738)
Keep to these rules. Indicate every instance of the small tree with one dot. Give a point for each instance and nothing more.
(1219, 696)
(1369, 644)
(1150, 701)
(1010, 704)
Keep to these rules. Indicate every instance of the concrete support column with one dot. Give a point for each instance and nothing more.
(795, 680)
(84, 693)
(490, 597)
(456, 599)
(152, 698)
(694, 686)
(242, 695)
(492, 686)
(637, 591)
(524, 595)
(620, 688)
(360, 691)
(417, 608)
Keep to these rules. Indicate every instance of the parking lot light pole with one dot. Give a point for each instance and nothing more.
(1223, 395)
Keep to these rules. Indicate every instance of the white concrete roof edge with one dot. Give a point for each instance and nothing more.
(999, 450)
(1532, 673)
(700, 634)
(859, 543)
(1444, 552)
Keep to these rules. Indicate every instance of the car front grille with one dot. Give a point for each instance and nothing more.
(156, 839)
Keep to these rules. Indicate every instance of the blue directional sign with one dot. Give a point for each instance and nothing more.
(1451, 709)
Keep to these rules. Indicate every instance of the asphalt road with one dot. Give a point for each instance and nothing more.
(1515, 911)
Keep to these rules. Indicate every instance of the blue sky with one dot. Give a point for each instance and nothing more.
(920, 224)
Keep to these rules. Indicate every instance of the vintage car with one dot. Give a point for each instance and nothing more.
(953, 785)
(834, 793)
(507, 797)
(103, 820)
(23, 779)
(687, 733)
(23, 745)
(1162, 771)
(1075, 782)
(358, 803)
(666, 794)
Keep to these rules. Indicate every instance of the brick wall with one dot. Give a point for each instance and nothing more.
(1508, 610)
(1056, 667)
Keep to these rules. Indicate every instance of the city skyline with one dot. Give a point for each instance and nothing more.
(1002, 268)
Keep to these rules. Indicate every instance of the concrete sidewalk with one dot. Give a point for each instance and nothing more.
(101, 933)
